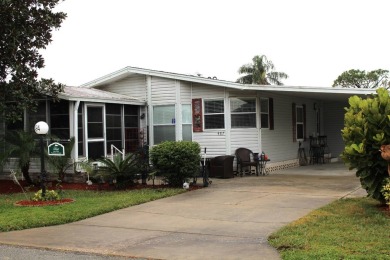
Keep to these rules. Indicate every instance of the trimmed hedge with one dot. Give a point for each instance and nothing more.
(176, 161)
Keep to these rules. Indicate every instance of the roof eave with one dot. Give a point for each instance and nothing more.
(132, 70)
(100, 100)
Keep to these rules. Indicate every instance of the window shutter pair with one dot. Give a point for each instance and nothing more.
(271, 113)
(294, 121)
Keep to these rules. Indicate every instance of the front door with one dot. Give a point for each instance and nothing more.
(95, 132)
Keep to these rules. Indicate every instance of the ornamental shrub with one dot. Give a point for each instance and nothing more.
(386, 191)
(50, 195)
(366, 128)
(123, 171)
(176, 161)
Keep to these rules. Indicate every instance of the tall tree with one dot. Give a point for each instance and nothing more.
(362, 79)
(26, 28)
(260, 71)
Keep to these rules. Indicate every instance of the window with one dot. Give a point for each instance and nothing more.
(186, 122)
(113, 126)
(164, 123)
(243, 112)
(36, 116)
(95, 122)
(214, 117)
(264, 113)
(59, 119)
(299, 122)
(131, 118)
(95, 131)
(267, 113)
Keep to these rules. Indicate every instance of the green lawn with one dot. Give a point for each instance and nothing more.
(345, 229)
(87, 204)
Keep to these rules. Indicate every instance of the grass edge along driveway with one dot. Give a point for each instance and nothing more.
(345, 229)
(87, 204)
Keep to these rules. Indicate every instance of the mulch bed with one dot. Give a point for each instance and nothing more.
(30, 203)
(8, 186)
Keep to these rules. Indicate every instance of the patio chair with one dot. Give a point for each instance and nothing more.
(245, 158)
(222, 166)
(316, 150)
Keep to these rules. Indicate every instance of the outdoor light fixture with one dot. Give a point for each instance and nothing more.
(41, 128)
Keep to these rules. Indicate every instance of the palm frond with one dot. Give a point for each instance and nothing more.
(274, 77)
(260, 72)
(246, 69)
(247, 79)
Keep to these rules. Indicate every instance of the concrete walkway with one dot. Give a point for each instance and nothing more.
(231, 219)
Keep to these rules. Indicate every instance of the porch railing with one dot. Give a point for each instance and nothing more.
(115, 150)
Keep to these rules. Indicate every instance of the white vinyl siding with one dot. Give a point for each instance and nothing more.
(278, 143)
(206, 91)
(247, 138)
(132, 86)
(163, 91)
(213, 140)
(185, 92)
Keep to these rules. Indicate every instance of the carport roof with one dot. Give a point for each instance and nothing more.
(319, 93)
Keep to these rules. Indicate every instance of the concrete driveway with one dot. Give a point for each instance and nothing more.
(231, 219)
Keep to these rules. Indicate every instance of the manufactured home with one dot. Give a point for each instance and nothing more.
(134, 107)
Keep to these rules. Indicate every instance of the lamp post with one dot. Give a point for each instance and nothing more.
(41, 128)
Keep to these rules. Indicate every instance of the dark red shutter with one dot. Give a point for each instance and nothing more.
(197, 116)
(271, 113)
(294, 122)
(304, 122)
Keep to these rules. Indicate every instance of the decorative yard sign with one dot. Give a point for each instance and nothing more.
(56, 149)
(197, 123)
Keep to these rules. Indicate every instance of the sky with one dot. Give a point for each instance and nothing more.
(313, 41)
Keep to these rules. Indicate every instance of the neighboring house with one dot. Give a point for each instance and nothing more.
(133, 106)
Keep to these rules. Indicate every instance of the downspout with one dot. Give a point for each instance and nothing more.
(75, 131)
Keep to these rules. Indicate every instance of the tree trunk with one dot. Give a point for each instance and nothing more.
(26, 174)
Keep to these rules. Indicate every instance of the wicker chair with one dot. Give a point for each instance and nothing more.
(245, 158)
(222, 166)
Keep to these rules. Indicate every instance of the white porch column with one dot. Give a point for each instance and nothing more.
(75, 153)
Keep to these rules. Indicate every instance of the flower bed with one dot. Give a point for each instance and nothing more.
(31, 203)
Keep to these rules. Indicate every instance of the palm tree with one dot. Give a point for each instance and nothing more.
(21, 145)
(123, 170)
(260, 72)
